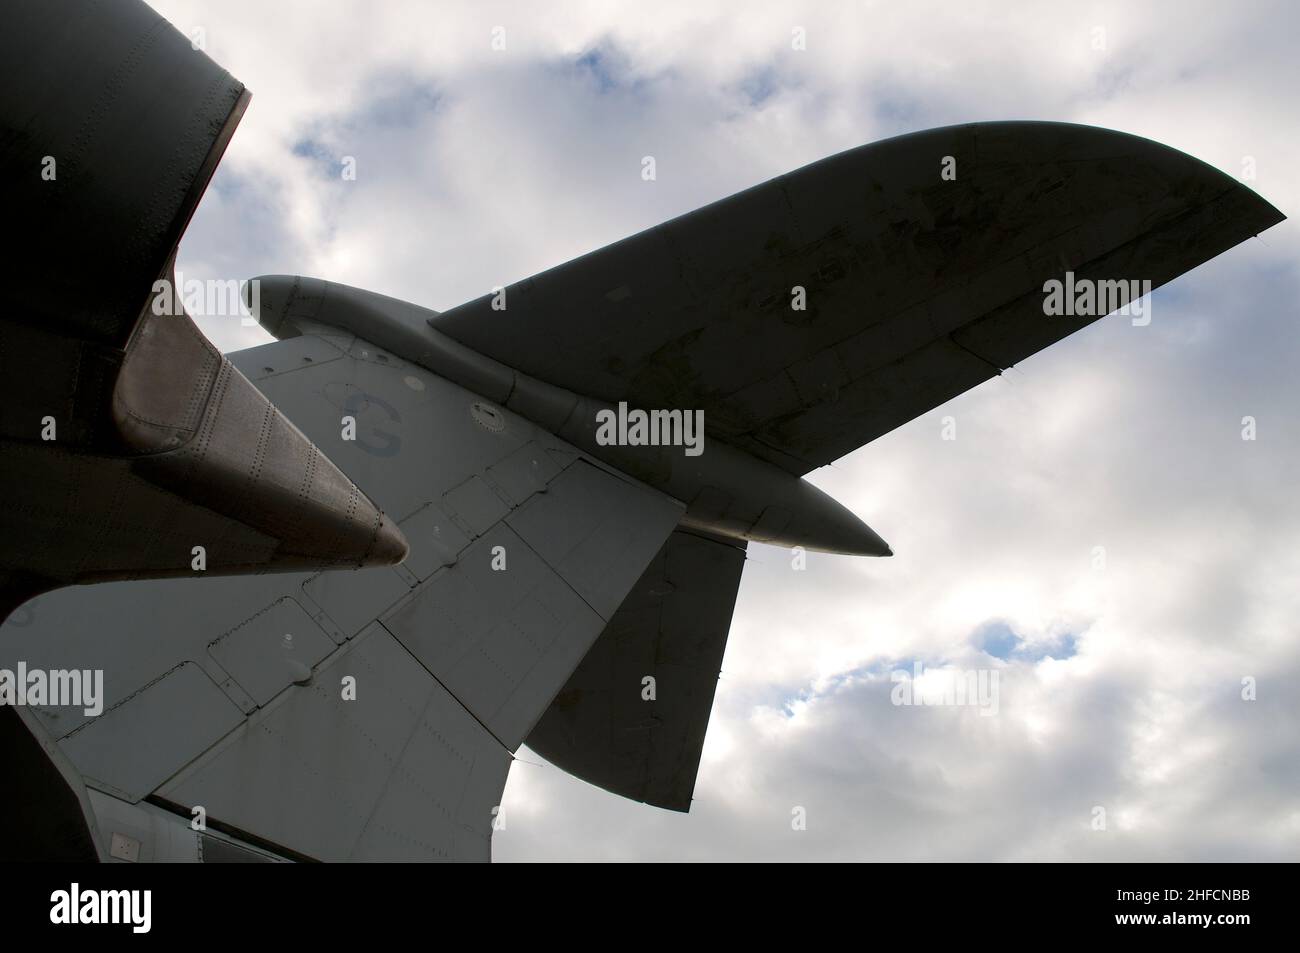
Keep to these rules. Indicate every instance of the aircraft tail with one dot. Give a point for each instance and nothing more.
(349, 715)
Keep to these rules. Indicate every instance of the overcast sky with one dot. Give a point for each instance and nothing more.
(1120, 685)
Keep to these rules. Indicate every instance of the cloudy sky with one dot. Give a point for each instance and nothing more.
(1121, 677)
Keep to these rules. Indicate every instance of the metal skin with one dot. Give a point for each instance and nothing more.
(922, 260)
(480, 439)
(131, 447)
(728, 492)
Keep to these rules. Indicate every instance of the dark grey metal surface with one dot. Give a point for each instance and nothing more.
(672, 627)
(45, 803)
(135, 120)
(918, 288)
(225, 692)
(111, 124)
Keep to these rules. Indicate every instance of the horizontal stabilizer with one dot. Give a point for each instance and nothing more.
(915, 285)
